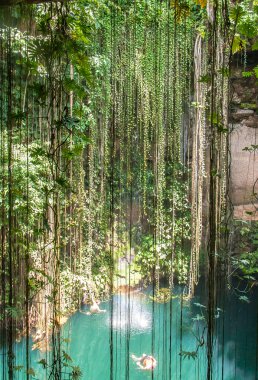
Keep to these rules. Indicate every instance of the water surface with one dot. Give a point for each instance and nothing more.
(135, 325)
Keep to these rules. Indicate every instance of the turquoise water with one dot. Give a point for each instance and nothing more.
(157, 329)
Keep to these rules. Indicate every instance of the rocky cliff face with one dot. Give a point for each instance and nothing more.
(244, 139)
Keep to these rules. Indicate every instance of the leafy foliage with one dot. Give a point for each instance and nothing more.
(188, 354)
(244, 21)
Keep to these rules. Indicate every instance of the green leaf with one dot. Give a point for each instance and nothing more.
(236, 13)
(247, 74)
(199, 305)
(255, 45)
(43, 362)
(256, 71)
(205, 78)
(38, 152)
(76, 373)
(198, 317)
(188, 354)
(248, 277)
(66, 357)
(31, 372)
(221, 128)
(244, 299)
(215, 119)
(215, 173)
(237, 44)
(72, 85)
(224, 71)
(13, 312)
(66, 340)
(18, 368)
(251, 148)
(247, 27)
(62, 182)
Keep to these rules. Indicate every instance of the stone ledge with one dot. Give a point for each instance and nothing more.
(248, 212)
(245, 118)
(251, 122)
(243, 113)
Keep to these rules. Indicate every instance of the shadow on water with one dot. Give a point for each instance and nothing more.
(164, 330)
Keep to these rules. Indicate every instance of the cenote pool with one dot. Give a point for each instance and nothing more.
(141, 326)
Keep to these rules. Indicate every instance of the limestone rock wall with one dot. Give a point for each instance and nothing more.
(244, 141)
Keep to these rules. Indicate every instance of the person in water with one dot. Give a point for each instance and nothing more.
(145, 362)
(94, 309)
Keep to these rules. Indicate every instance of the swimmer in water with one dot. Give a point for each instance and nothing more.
(145, 362)
(94, 309)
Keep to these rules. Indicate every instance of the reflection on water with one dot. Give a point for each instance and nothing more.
(163, 330)
(130, 312)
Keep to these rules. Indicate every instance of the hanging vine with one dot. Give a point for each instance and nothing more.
(114, 160)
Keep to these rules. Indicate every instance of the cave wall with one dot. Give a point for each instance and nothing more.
(244, 139)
